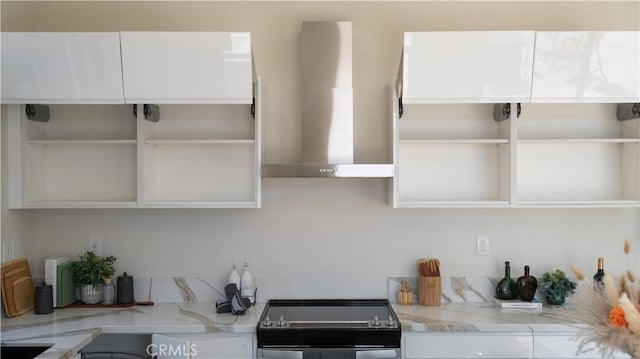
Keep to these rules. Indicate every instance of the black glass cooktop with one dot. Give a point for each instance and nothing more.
(329, 311)
(328, 323)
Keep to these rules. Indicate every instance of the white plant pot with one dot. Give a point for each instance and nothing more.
(91, 294)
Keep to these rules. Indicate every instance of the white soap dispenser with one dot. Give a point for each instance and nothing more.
(247, 286)
(234, 277)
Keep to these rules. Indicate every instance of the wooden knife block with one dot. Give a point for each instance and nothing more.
(429, 291)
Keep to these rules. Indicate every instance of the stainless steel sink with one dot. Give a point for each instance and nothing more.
(22, 351)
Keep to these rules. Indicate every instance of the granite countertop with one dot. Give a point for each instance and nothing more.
(69, 330)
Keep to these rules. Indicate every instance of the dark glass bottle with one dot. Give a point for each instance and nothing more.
(506, 288)
(597, 278)
(527, 285)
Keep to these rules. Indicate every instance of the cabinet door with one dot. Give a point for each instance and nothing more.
(564, 346)
(467, 345)
(463, 67)
(209, 346)
(187, 67)
(170, 347)
(224, 347)
(61, 68)
(588, 66)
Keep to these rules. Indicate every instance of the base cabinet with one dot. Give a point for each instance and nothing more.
(564, 346)
(199, 346)
(465, 345)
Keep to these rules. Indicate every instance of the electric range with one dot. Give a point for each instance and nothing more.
(347, 328)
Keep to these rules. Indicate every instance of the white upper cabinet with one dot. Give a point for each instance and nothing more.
(589, 66)
(187, 67)
(467, 67)
(63, 68)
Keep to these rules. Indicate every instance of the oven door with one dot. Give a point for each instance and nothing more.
(326, 353)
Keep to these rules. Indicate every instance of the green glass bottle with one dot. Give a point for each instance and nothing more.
(507, 288)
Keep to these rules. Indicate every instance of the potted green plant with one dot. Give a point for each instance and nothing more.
(89, 273)
(556, 287)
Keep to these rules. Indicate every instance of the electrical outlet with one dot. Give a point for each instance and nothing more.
(482, 246)
(95, 245)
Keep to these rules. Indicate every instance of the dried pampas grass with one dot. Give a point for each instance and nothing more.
(589, 306)
(627, 246)
(611, 289)
(578, 273)
(612, 312)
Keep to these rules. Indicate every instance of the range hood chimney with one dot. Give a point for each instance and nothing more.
(327, 107)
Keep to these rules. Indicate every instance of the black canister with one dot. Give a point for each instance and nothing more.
(44, 299)
(124, 292)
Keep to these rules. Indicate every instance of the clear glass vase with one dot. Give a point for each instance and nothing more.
(91, 293)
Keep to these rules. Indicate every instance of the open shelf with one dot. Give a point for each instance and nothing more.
(580, 140)
(453, 142)
(578, 172)
(453, 204)
(200, 156)
(75, 174)
(577, 155)
(574, 122)
(581, 204)
(200, 142)
(201, 122)
(199, 204)
(84, 156)
(448, 173)
(451, 156)
(199, 173)
(451, 122)
(80, 204)
(83, 122)
(81, 142)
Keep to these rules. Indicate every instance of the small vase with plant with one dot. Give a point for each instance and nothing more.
(556, 287)
(89, 273)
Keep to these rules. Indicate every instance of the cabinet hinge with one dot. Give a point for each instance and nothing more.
(253, 108)
(38, 113)
(151, 112)
(502, 111)
(628, 111)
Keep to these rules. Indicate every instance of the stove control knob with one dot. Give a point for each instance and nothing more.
(281, 321)
(266, 322)
(390, 322)
(376, 322)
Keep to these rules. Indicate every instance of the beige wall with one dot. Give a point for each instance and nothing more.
(327, 238)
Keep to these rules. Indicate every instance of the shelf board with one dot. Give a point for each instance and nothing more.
(580, 140)
(200, 142)
(454, 141)
(81, 142)
(453, 204)
(580, 203)
(80, 204)
(199, 204)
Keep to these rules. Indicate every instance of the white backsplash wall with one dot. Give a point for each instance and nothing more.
(334, 238)
(319, 237)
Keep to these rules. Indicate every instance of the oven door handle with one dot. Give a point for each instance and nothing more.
(280, 354)
(359, 354)
(378, 354)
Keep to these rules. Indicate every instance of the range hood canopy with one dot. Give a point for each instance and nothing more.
(327, 107)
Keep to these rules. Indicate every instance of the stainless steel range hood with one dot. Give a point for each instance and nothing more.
(327, 107)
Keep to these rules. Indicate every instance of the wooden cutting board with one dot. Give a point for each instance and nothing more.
(17, 287)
